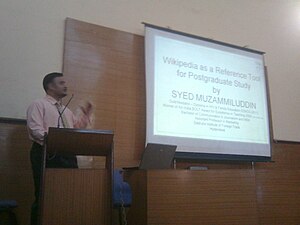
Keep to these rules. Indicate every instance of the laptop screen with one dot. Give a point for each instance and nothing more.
(157, 156)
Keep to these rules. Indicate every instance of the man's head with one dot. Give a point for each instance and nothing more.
(55, 85)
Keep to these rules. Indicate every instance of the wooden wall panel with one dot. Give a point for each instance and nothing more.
(16, 180)
(106, 66)
(284, 156)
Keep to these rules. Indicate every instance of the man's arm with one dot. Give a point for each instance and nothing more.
(83, 119)
(35, 122)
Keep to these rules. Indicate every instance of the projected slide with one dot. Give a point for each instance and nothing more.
(203, 91)
(215, 95)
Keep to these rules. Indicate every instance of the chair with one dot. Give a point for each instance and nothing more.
(122, 195)
(6, 207)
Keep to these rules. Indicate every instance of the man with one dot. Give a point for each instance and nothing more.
(49, 112)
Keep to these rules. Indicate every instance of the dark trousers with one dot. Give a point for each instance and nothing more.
(55, 161)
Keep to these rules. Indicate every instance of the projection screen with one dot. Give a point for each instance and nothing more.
(207, 97)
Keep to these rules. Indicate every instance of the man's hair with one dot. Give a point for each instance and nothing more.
(49, 78)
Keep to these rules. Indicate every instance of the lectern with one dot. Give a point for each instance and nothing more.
(77, 196)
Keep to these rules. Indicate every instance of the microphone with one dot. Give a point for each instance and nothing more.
(61, 112)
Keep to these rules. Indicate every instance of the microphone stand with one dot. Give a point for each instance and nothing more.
(61, 113)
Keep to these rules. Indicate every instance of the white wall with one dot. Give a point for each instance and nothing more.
(32, 31)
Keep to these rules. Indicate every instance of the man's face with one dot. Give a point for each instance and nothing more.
(58, 87)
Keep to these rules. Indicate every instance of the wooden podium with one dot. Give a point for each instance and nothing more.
(77, 196)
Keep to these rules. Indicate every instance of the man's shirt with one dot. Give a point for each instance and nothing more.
(43, 113)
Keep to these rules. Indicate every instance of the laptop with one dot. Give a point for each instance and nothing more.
(157, 156)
